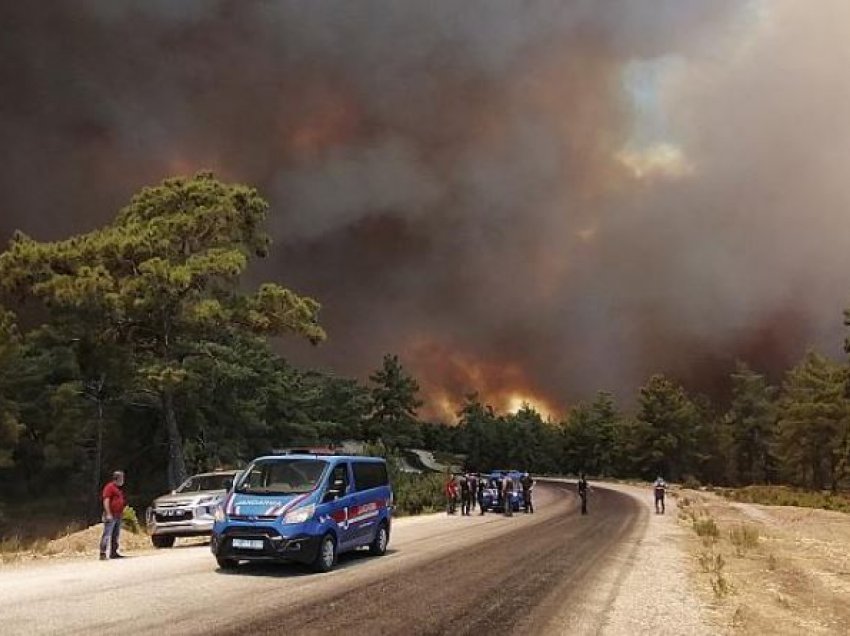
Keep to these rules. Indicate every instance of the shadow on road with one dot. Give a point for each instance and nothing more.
(294, 570)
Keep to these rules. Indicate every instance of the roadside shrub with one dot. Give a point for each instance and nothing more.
(130, 521)
(744, 537)
(786, 496)
(10, 545)
(771, 562)
(418, 493)
(706, 528)
(706, 561)
(691, 482)
(720, 584)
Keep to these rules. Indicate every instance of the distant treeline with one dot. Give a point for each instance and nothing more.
(150, 355)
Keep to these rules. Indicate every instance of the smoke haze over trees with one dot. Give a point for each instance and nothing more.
(538, 198)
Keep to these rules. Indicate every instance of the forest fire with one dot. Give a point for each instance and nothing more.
(500, 385)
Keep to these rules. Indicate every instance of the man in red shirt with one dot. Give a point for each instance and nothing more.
(113, 509)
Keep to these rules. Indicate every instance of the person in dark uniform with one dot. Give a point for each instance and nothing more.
(527, 483)
(660, 488)
(473, 488)
(582, 493)
(465, 496)
(480, 493)
(507, 491)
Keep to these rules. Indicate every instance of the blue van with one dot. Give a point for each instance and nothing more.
(304, 508)
(493, 488)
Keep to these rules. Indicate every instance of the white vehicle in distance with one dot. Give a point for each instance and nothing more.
(188, 511)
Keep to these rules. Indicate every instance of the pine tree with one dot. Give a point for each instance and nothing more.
(751, 426)
(664, 430)
(814, 415)
(163, 280)
(395, 402)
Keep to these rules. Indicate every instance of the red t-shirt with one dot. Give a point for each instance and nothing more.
(116, 498)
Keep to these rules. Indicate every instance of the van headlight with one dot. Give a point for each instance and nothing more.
(300, 515)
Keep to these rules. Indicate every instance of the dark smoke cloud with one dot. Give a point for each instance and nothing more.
(534, 198)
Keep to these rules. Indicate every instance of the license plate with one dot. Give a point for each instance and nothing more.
(248, 544)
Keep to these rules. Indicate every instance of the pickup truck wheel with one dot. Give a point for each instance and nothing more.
(162, 541)
(326, 556)
(378, 547)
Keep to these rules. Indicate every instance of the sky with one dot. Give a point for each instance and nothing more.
(532, 200)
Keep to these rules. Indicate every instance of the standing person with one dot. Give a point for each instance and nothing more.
(660, 488)
(113, 502)
(507, 489)
(473, 489)
(465, 496)
(451, 494)
(527, 483)
(582, 492)
(481, 485)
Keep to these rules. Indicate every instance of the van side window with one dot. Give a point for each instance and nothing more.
(339, 474)
(370, 475)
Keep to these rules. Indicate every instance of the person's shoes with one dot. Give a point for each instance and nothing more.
(117, 556)
(103, 557)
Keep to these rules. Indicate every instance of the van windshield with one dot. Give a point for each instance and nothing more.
(281, 476)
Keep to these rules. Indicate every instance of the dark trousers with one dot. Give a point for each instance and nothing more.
(109, 538)
(451, 504)
(583, 496)
(465, 504)
(659, 502)
(529, 504)
(481, 504)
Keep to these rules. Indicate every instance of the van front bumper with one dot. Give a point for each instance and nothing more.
(300, 548)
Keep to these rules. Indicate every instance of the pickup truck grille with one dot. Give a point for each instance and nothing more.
(174, 514)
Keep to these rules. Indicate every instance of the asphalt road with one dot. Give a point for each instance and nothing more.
(551, 572)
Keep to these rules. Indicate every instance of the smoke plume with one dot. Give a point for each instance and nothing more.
(527, 199)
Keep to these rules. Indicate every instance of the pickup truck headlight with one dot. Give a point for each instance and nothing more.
(219, 514)
(300, 515)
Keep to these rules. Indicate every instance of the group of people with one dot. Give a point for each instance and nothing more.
(468, 490)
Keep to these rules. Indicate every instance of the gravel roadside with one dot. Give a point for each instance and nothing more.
(643, 586)
(657, 595)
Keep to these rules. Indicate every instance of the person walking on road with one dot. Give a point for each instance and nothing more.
(451, 494)
(582, 493)
(660, 488)
(507, 489)
(473, 489)
(114, 502)
(465, 496)
(480, 494)
(527, 483)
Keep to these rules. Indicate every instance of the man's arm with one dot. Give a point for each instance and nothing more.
(107, 496)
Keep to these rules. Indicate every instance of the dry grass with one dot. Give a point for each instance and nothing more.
(74, 541)
(706, 528)
(787, 496)
(744, 537)
(770, 570)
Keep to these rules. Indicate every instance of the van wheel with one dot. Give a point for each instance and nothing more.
(378, 547)
(162, 541)
(326, 556)
(227, 564)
